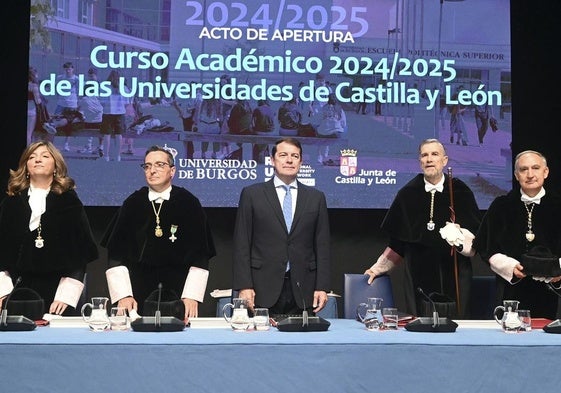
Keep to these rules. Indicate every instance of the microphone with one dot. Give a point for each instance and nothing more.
(14, 323)
(157, 323)
(433, 324)
(555, 326)
(304, 323)
(435, 321)
(158, 314)
(305, 310)
(553, 289)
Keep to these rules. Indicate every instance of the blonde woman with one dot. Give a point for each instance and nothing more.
(46, 236)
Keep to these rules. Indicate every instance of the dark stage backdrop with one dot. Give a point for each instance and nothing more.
(356, 238)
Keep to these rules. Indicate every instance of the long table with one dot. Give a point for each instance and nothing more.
(346, 358)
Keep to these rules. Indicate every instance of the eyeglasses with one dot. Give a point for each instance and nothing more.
(158, 165)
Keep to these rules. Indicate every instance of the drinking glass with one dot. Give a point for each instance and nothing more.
(525, 320)
(261, 319)
(390, 318)
(118, 318)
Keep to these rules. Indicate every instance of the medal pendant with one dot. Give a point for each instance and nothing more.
(430, 226)
(39, 243)
(158, 232)
(173, 230)
(530, 236)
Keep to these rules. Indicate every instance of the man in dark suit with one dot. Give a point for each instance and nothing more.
(282, 263)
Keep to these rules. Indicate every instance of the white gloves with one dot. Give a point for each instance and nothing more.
(386, 262)
(458, 237)
(543, 279)
(452, 234)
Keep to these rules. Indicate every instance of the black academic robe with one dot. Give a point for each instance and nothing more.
(130, 240)
(429, 263)
(503, 231)
(68, 242)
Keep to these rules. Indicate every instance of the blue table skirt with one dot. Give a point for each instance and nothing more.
(346, 358)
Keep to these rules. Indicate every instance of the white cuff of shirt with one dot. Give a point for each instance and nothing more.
(503, 265)
(195, 284)
(69, 291)
(118, 282)
(6, 284)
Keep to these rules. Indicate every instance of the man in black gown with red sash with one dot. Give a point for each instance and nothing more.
(418, 220)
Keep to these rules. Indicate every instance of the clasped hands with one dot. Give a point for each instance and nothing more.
(453, 234)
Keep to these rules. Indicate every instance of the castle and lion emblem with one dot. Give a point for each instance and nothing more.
(349, 162)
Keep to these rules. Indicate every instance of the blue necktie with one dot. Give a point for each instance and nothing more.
(287, 207)
(287, 213)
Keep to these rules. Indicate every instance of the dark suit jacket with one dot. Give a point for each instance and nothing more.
(263, 246)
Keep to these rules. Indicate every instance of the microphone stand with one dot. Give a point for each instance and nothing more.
(435, 316)
(453, 250)
(304, 323)
(158, 313)
(157, 323)
(4, 317)
(431, 325)
(554, 326)
(305, 312)
(14, 322)
(4, 312)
